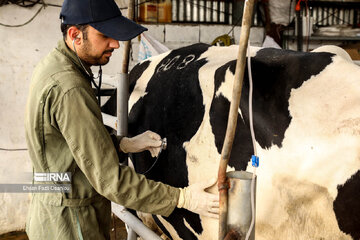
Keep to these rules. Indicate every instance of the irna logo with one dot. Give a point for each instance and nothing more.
(52, 177)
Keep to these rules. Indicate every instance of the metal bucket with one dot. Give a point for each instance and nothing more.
(239, 203)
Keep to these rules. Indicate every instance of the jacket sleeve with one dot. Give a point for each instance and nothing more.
(116, 141)
(79, 119)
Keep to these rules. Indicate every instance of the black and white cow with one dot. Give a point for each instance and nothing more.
(307, 125)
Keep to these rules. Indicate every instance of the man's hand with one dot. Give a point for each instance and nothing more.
(194, 198)
(146, 141)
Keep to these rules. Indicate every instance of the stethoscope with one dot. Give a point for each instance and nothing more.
(90, 75)
(162, 147)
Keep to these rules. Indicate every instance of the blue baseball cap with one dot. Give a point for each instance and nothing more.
(103, 15)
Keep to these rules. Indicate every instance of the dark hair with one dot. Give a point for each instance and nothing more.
(82, 27)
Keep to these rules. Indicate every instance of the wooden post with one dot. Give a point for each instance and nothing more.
(122, 92)
(125, 66)
(223, 184)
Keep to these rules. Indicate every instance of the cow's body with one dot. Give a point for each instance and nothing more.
(307, 127)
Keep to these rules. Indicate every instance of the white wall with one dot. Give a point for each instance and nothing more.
(21, 48)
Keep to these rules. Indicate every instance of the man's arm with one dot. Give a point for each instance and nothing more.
(79, 119)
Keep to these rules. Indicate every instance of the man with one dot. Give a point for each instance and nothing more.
(65, 133)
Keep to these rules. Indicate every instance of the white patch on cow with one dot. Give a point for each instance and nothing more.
(297, 183)
(202, 159)
(226, 88)
(141, 84)
(335, 50)
(296, 211)
(330, 102)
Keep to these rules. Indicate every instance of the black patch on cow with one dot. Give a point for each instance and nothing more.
(110, 106)
(347, 206)
(162, 227)
(173, 107)
(220, 108)
(275, 72)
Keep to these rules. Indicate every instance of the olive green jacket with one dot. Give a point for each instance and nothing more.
(65, 133)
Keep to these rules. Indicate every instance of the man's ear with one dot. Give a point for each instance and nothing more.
(74, 34)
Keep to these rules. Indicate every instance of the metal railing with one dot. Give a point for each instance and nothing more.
(196, 11)
(202, 11)
(329, 13)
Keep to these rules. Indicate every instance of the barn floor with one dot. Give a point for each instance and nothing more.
(119, 234)
(14, 236)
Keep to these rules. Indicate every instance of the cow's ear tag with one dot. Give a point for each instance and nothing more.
(255, 161)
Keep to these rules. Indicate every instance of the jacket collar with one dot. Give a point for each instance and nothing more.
(64, 49)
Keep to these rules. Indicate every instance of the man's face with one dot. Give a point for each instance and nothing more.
(96, 48)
